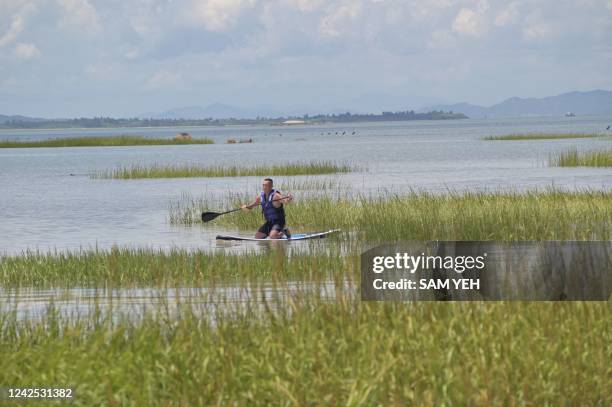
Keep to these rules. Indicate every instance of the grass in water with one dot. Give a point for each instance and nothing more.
(194, 170)
(543, 215)
(144, 267)
(542, 136)
(306, 349)
(103, 141)
(573, 158)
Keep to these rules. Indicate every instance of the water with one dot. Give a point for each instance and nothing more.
(48, 201)
(29, 303)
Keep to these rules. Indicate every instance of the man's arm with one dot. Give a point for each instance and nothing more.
(253, 204)
(278, 201)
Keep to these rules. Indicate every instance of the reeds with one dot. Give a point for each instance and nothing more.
(102, 141)
(196, 170)
(125, 267)
(542, 136)
(307, 349)
(541, 215)
(574, 158)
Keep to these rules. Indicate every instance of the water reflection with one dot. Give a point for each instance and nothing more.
(28, 303)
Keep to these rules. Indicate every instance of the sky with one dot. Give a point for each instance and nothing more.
(70, 58)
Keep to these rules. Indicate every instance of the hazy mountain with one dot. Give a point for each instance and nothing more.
(581, 103)
(367, 103)
(215, 111)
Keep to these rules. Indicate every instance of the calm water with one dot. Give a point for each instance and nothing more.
(36, 303)
(48, 201)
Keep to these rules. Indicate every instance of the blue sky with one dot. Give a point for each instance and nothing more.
(65, 58)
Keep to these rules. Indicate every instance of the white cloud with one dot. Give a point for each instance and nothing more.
(337, 21)
(79, 13)
(230, 49)
(150, 18)
(472, 22)
(13, 31)
(508, 15)
(17, 12)
(466, 22)
(306, 6)
(220, 15)
(537, 31)
(26, 51)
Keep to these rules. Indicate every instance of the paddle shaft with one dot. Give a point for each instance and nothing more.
(208, 216)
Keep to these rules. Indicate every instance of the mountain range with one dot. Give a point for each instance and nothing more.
(596, 102)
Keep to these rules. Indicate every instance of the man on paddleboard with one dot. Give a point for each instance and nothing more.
(273, 211)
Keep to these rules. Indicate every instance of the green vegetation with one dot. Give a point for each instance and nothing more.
(142, 267)
(102, 141)
(277, 344)
(544, 215)
(194, 170)
(542, 136)
(573, 158)
(310, 350)
(313, 184)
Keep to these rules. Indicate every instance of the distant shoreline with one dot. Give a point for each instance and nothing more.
(110, 123)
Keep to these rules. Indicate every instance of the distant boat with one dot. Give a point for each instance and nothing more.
(570, 114)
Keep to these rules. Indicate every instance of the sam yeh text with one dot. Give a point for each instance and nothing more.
(428, 284)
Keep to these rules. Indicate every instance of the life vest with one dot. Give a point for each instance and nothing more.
(270, 213)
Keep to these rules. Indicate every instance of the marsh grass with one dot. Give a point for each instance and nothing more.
(574, 158)
(124, 267)
(308, 350)
(102, 141)
(305, 348)
(542, 215)
(313, 184)
(195, 170)
(542, 136)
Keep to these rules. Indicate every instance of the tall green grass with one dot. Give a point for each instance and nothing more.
(194, 170)
(102, 141)
(309, 351)
(145, 267)
(573, 158)
(313, 184)
(542, 215)
(542, 136)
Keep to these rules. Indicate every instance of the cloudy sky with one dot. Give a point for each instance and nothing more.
(64, 58)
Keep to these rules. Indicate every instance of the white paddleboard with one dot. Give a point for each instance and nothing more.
(294, 236)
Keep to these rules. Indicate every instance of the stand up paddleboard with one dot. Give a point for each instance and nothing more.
(294, 236)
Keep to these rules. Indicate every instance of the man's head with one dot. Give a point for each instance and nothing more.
(267, 185)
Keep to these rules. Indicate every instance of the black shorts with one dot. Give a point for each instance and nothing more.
(269, 226)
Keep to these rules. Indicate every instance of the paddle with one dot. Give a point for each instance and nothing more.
(208, 216)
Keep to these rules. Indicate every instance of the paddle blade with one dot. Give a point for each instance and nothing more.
(208, 216)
